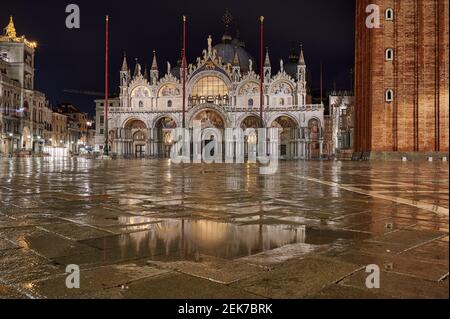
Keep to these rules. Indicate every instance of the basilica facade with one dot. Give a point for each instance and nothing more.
(222, 91)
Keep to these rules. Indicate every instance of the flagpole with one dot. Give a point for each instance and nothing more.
(184, 71)
(261, 69)
(106, 131)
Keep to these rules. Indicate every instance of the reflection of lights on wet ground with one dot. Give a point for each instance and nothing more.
(208, 237)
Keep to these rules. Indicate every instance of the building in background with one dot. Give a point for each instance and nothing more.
(222, 91)
(58, 146)
(341, 124)
(77, 127)
(402, 79)
(114, 103)
(22, 108)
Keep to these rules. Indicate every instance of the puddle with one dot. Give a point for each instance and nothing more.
(187, 239)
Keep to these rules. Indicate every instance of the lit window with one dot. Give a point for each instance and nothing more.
(389, 95)
(389, 54)
(389, 14)
(210, 86)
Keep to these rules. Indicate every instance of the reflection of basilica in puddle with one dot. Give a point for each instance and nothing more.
(173, 239)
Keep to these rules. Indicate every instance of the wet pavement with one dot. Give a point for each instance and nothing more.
(152, 229)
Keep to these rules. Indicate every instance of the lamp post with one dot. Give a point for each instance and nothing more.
(106, 132)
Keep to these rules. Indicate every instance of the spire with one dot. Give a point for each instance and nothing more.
(124, 63)
(301, 60)
(236, 61)
(137, 69)
(146, 72)
(10, 30)
(267, 61)
(227, 19)
(155, 62)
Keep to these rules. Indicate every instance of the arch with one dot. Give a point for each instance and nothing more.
(249, 88)
(194, 80)
(389, 54)
(210, 86)
(211, 107)
(250, 121)
(288, 134)
(161, 117)
(389, 95)
(389, 15)
(315, 134)
(134, 123)
(278, 115)
(282, 87)
(140, 91)
(165, 122)
(168, 89)
(209, 119)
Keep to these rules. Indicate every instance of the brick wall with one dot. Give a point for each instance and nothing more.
(417, 119)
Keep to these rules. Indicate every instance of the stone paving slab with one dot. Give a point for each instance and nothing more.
(94, 280)
(180, 286)
(9, 292)
(297, 279)
(22, 266)
(218, 270)
(401, 286)
(341, 292)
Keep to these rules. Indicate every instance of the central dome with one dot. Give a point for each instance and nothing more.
(227, 49)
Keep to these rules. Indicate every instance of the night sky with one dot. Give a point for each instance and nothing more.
(74, 59)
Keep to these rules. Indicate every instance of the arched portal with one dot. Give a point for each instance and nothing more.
(208, 119)
(213, 125)
(135, 138)
(288, 130)
(163, 135)
(314, 138)
(251, 140)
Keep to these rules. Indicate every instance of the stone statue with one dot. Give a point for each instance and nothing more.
(209, 44)
(281, 65)
(168, 68)
(250, 65)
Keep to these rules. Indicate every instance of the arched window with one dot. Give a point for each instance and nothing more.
(389, 54)
(389, 95)
(210, 86)
(250, 103)
(169, 103)
(389, 14)
(141, 104)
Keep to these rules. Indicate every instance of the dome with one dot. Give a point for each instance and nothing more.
(226, 51)
(291, 67)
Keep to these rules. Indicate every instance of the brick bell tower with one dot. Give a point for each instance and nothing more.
(402, 77)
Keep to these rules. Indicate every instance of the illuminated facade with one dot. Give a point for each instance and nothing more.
(25, 121)
(222, 91)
